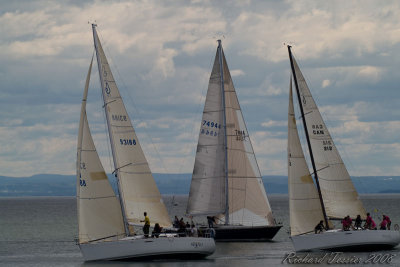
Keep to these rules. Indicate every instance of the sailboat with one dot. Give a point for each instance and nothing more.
(106, 221)
(331, 195)
(226, 182)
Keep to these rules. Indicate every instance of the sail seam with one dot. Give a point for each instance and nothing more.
(139, 163)
(211, 111)
(208, 177)
(123, 126)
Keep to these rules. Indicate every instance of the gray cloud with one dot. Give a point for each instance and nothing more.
(161, 53)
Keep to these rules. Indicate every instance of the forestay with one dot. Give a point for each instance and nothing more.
(304, 204)
(338, 192)
(136, 184)
(99, 211)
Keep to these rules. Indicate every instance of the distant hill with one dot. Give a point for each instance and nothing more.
(172, 184)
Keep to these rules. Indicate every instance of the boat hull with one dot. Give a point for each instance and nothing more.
(368, 240)
(140, 247)
(231, 233)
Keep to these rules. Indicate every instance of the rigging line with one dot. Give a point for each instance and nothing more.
(321, 169)
(121, 167)
(300, 117)
(245, 186)
(110, 102)
(138, 117)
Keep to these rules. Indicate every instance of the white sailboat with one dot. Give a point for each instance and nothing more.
(331, 195)
(226, 181)
(105, 220)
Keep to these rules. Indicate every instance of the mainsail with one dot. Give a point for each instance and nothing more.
(99, 211)
(339, 195)
(218, 150)
(304, 204)
(137, 187)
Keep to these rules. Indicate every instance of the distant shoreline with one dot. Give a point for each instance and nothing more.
(171, 184)
(272, 195)
(283, 195)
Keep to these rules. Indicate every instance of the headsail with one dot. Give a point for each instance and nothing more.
(99, 211)
(207, 189)
(304, 205)
(137, 187)
(248, 203)
(338, 192)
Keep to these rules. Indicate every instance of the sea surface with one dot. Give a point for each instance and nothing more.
(40, 231)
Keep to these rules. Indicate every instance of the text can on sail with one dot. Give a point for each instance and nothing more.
(333, 196)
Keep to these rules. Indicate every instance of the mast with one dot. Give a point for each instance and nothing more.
(221, 68)
(95, 38)
(307, 138)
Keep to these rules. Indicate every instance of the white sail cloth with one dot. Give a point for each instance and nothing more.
(137, 187)
(207, 189)
(338, 192)
(304, 204)
(247, 199)
(99, 211)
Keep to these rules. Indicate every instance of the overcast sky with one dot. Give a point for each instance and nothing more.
(161, 53)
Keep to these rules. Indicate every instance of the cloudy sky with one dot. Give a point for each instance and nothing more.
(161, 53)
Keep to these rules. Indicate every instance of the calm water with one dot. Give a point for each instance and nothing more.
(40, 231)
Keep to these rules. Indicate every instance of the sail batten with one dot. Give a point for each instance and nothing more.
(136, 182)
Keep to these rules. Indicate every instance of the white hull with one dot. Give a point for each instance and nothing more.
(137, 247)
(347, 240)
